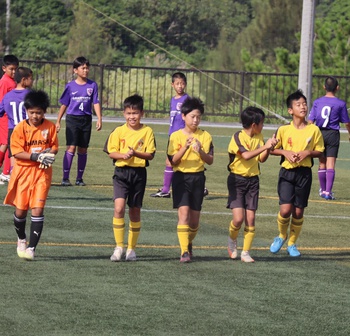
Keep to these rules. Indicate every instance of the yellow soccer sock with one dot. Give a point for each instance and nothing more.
(192, 233)
(283, 224)
(249, 233)
(134, 232)
(233, 231)
(295, 229)
(183, 236)
(118, 230)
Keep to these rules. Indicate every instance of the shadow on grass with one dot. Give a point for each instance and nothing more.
(335, 256)
(176, 258)
(338, 256)
(341, 253)
(73, 187)
(140, 258)
(70, 258)
(97, 199)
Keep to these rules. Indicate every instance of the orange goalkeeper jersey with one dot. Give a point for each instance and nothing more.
(29, 185)
(31, 139)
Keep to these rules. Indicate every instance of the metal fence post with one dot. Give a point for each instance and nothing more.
(102, 68)
(242, 92)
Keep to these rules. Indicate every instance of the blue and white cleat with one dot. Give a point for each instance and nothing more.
(328, 197)
(293, 251)
(277, 244)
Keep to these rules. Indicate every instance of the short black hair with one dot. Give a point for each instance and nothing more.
(191, 104)
(331, 84)
(252, 115)
(22, 72)
(180, 75)
(37, 98)
(81, 60)
(295, 96)
(10, 60)
(134, 102)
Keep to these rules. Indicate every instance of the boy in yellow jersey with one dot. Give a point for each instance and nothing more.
(130, 146)
(189, 149)
(299, 143)
(245, 151)
(34, 144)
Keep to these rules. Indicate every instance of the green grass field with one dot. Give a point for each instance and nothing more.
(72, 288)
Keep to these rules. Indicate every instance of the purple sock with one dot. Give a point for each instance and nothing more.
(168, 176)
(82, 159)
(67, 163)
(322, 179)
(330, 179)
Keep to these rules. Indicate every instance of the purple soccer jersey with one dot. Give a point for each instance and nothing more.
(328, 112)
(80, 98)
(176, 121)
(13, 105)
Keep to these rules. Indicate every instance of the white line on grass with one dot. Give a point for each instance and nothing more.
(228, 213)
(200, 247)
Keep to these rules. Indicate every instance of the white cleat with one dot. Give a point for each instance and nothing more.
(21, 247)
(117, 254)
(29, 253)
(232, 248)
(4, 177)
(245, 257)
(130, 255)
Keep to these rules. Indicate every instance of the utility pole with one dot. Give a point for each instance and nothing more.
(306, 49)
(7, 28)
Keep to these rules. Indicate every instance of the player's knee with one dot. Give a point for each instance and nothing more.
(119, 212)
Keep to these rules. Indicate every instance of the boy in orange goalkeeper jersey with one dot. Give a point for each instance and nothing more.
(34, 144)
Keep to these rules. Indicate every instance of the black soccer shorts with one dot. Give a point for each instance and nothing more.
(294, 186)
(78, 130)
(331, 140)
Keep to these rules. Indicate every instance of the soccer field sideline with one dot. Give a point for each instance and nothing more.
(171, 247)
(199, 247)
(157, 121)
(214, 213)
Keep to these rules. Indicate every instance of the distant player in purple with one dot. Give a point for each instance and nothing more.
(13, 102)
(179, 83)
(327, 113)
(78, 99)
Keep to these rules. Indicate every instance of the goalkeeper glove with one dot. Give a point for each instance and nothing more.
(45, 159)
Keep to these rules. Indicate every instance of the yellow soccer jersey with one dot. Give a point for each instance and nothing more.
(297, 140)
(141, 140)
(241, 142)
(191, 162)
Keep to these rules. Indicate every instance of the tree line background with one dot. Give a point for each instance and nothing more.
(237, 35)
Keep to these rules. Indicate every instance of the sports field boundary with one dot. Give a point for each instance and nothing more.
(171, 247)
(165, 121)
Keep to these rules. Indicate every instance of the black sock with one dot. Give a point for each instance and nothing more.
(35, 230)
(20, 226)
